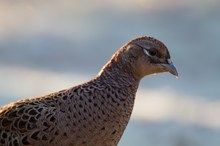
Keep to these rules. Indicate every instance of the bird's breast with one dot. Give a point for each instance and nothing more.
(98, 120)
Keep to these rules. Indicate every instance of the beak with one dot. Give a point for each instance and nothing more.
(170, 68)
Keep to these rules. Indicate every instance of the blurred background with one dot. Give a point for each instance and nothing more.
(46, 46)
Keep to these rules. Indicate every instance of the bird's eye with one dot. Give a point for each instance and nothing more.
(152, 52)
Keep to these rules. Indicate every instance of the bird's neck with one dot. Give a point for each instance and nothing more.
(116, 75)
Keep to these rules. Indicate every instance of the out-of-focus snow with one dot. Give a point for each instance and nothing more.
(165, 104)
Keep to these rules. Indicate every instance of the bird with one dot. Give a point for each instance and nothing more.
(94, 113)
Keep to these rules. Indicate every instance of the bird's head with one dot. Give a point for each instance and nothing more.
(145, 56)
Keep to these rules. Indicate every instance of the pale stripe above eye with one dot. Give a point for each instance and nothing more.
(146, 52)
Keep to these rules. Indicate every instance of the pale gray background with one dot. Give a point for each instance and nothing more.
(48, 45)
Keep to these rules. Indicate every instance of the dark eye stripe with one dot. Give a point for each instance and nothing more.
(140, 46)
(144, 49)
(152, 51)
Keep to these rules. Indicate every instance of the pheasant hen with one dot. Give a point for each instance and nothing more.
(94, 113)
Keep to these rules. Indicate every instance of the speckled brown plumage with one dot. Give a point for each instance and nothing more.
(95, 113)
